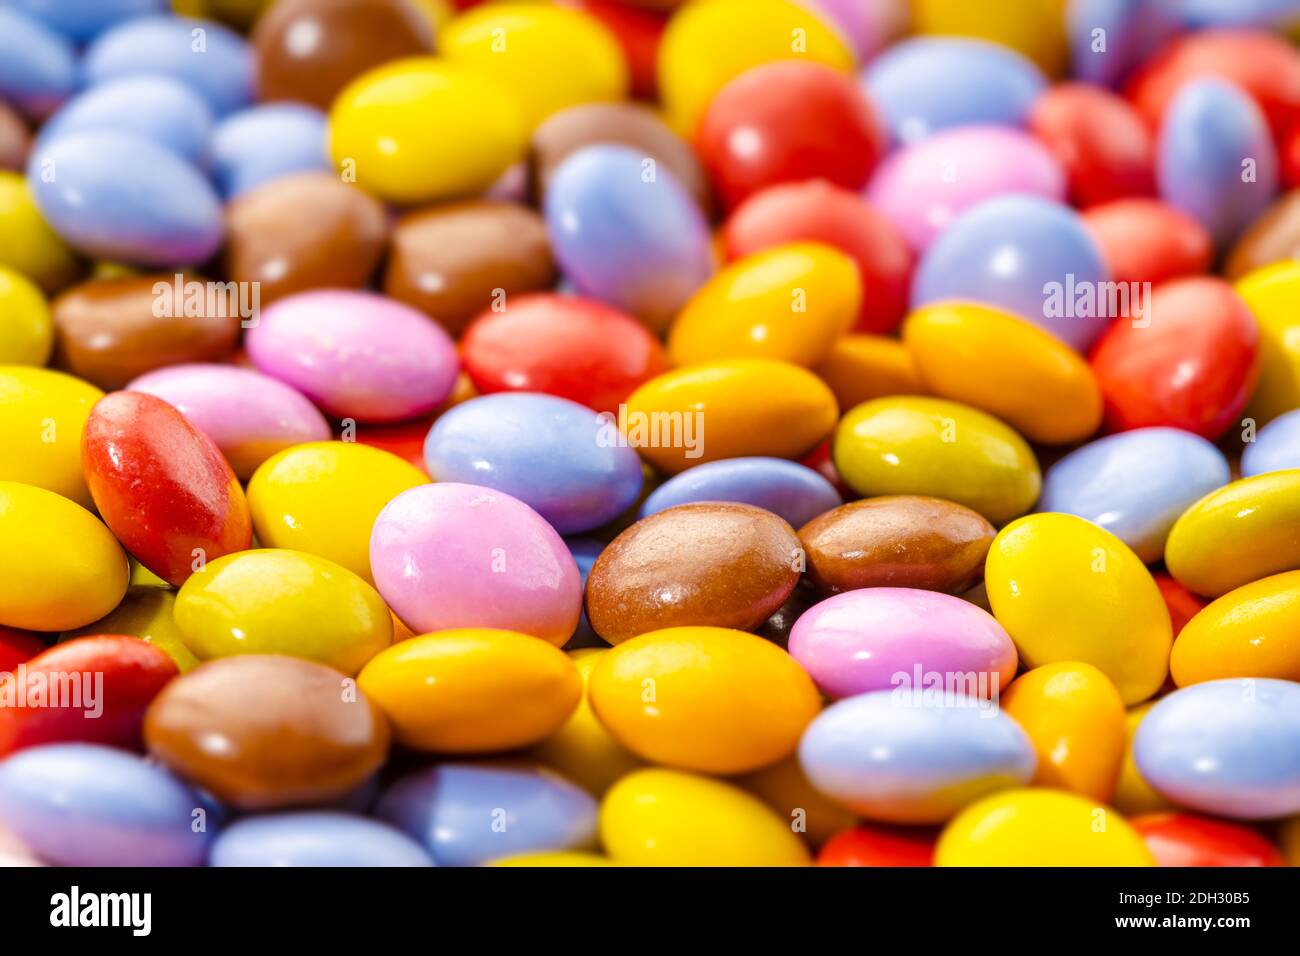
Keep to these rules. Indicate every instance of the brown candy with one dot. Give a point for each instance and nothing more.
(309, 50)
(108, 331)
(450, 260)
(624, 123)
(265, 731)
(305, 231)
(709, 564)
(900, 541)
(15, 139)
(1274, 237)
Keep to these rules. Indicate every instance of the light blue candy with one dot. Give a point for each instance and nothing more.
(1275, 448)
(317, 838)
(1135, 484)
(1227, 747)
(214, 60)
(124, 198)
(1202, 14)
(585, 551)
(1130, 31)
(641, 246)
(156, 108)
(89, 805)
(553, 454)
(891, 756)
(38, 67)
(1023, 254)
(1209, 130)
(470, 814)
(795, 492)
(263, 143)
(927, 84)
(82, 20)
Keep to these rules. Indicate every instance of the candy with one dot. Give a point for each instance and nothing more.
(63, 568)
(249, 416)
(471, 814)
(519, 45)
(562, 345)
(38, 67)
(26, 329)
(1131, 31)
(659, 817)
(890, 756)
(27, 244)
(452, 555)
(264, 143)
(711, 564)
(355, 354)
(1272, 295)
(1024, 255)
(456, 260)
(559, 857)
(17, 646)
(1252, 631)
(15, 140)
(627, 232)
(146, 613)
(859, 368)
(1183, 605)
(785, 789)
(545, 451)
(1238, 534)
(1039, 827)
(708, 699)
(348, 37)
(994, 361)
(87, 805)
(1272, 238)
(452, 691)
(877, 846)
(793, 492)
(314, 839)
(1183, 839)
(1225, 747)
(1132, 794)
(1145, 240)
(927, 446)
(1033, 29)
(731, 408)
(1096, 482)
(282, 602)
(82, 20)
(262, 731)
(42, 415)
(1068, 590)
(1276, 448)
(788, 121)
(379, 134)
(816, 211)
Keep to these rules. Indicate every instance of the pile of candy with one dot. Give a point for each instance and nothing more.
(722, 432)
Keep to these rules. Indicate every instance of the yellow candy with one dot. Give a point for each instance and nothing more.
(283, 602)
(26, 329)
(1133, 795)
(789, 303)
(785, 789)
(930, 446)
(473, 690)
(1034, 28)
(708, 44)
(861, 367)
(550, 57)
(1253, 631)
(1290, 839)
(62, 567)
(27, 244)
(1075, 718)
(1242, 532)
(560, 858)
(999, 363)
(143, 577)
(1068, 590)
(422, 129)
(42, 416)
(146, 613)
(667, 818)
(1039, 827)
(704, 698)
(1273, 294)
(323, 498)
(728, 409)
(582, 750)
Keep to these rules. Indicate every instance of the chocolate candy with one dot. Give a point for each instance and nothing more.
(1273, 237)
(15, 139)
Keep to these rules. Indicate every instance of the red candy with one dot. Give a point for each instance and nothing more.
(1288, 157)
(820, 212)
(561, 345)
(1145, 240)
(1183, 604)
(17, 646)
(162, 486)
(1101, 141)
(1183, 839)
(92, 689)
(637, 32)
(878, 846)
(1192, 367)
(788, 121)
